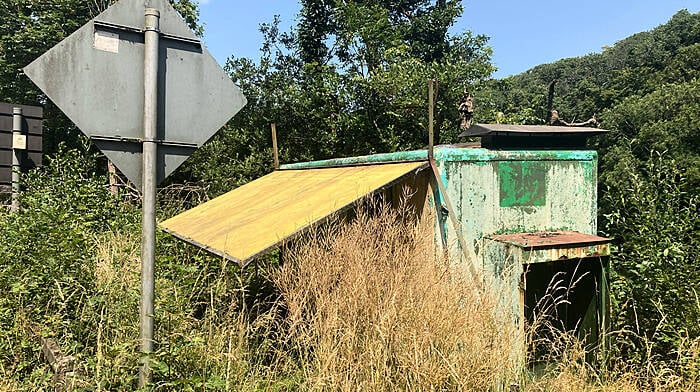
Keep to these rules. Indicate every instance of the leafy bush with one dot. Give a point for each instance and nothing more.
(652, 212)
(46, 277)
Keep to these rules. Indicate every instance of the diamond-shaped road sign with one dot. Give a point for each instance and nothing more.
(96, 77)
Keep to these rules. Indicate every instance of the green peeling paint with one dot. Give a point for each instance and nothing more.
(522, 183)
(485, 155)
(401, 156)
(450, 154)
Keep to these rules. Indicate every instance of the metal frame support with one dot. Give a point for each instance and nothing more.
(16, 158)
(275, 153)
(150, 149)
(456, 225)
(432, 89)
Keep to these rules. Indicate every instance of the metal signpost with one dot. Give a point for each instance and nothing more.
(147, 126)
(20, 146)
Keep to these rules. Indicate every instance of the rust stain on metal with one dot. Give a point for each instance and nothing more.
(546, 239)
(548, 246)
(577, 252)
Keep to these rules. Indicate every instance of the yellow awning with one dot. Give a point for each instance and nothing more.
(258, 216)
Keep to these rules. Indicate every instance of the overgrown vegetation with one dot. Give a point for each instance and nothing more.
(364, 304)
(70, 260)
(48, 270)
(366, 311)
(336, 315)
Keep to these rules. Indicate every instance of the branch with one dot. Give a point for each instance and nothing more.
(555, 120)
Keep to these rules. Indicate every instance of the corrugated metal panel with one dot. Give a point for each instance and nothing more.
(251, 219)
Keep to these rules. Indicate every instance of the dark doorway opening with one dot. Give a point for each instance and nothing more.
(564, 296)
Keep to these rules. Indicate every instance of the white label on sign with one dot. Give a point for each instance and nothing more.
(106, 41)
(19, 142)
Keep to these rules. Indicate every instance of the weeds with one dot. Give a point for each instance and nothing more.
(363, 305)
(371, 307)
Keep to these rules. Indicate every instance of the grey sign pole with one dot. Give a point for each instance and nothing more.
(148, 236)
(90, 77)
(16, 159)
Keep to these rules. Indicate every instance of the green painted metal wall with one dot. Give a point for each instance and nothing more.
(497, 192)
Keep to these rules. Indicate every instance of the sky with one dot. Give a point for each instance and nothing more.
(523, 33)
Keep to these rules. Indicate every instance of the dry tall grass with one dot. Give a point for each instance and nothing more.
(371, 308)
(571, 373)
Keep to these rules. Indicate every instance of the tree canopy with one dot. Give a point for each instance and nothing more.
(349, 79)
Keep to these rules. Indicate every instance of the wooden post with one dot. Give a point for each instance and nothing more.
(431, 109)
(550, 102)
(456, 225)
(65, 371)
(275, 154)
(112, 170)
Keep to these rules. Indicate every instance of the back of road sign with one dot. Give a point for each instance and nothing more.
(95, 76)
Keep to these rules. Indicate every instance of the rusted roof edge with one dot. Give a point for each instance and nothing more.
(478, 130)
(576, 243)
